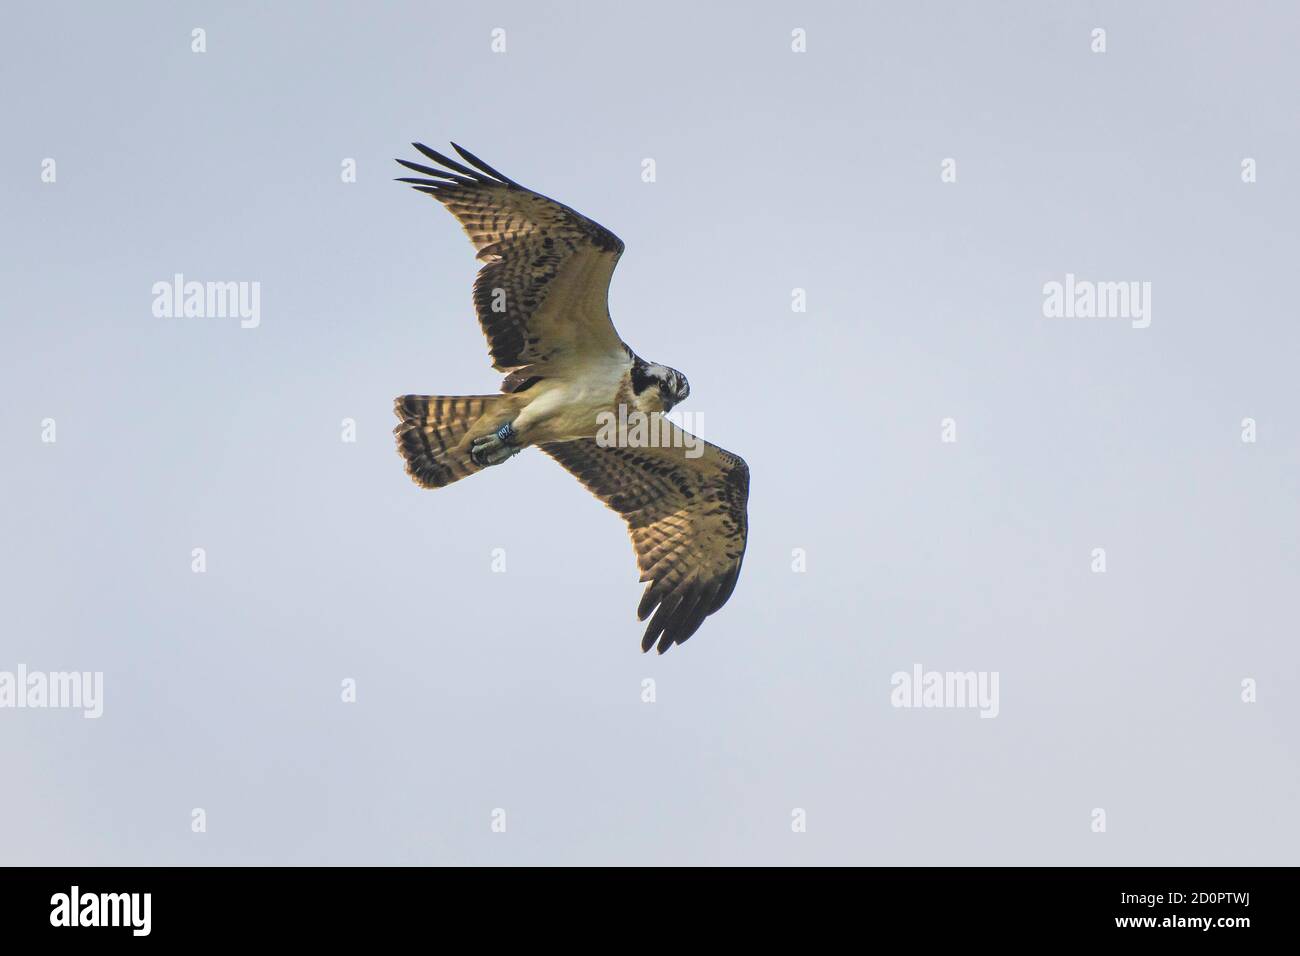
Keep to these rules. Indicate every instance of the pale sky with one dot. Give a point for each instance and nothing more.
(522, 691)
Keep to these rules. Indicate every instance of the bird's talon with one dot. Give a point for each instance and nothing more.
(494, 448)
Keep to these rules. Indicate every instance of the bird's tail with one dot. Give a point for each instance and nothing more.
(435, 433)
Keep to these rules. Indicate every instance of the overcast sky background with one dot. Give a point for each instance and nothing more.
(523, 691)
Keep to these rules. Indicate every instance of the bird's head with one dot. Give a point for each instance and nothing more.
(658, 388)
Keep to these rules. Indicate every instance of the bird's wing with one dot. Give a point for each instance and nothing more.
(687, 517)
(542, 294)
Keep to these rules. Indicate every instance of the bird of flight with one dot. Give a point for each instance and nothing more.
(542, 301)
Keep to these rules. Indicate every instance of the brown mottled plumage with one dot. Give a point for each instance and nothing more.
(687, 520)
(541, 298)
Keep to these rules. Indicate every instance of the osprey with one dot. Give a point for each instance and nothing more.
(542, 301)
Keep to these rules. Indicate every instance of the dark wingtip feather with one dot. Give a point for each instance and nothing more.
(430, 171)
(703, 608)
(479, 164)
(648, 602)
(661, 625)
(437, 157)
